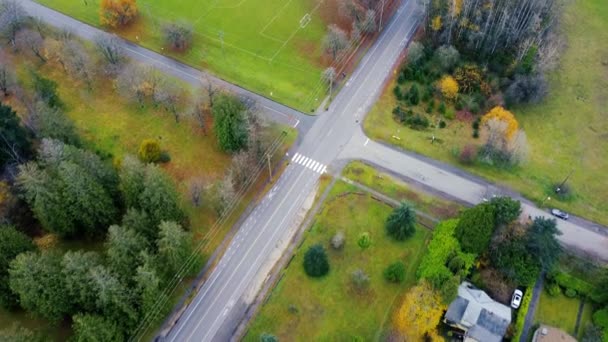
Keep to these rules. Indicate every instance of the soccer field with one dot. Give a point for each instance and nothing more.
(272, 47)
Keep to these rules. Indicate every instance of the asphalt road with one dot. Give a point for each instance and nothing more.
(336, 134)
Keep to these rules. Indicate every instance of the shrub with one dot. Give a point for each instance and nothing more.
(475, 228)
(397, 92)
(266, 337)
(506, 209)
(360, 279)
(441, 108)
(442, 124)
(417, 122)
(468, 154)
(364, 241)
(165, 157)
(521, 315)
(570, 282)
(401, 223)
(395, 272)
(178, 36)
(117, 13)
(149, 151)
(475, 134)
(526, 89)
(447, 57)
(449, 88)
(553, 289)
(315, 261)
(46, 90)
(468, 77)
(570, 293)
(600, 318)
(337, 241)
(475, 124)
(449, 114)
(415, 53)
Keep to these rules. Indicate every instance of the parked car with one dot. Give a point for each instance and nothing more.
(516, 299)
(561, 214)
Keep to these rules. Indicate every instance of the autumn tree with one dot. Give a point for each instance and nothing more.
(502, 115)
(449, 88)
(401, 223)
(420, 313)
(117, 13)
(149, 151)
(335, 41)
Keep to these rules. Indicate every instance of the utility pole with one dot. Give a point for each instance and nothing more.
(381, 13)
(559, 188)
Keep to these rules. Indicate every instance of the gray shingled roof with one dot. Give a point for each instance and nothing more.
(486, 319)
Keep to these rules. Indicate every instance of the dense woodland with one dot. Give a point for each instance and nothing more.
(57, 187)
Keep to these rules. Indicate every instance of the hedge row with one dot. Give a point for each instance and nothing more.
(521, 314)
(568, 281)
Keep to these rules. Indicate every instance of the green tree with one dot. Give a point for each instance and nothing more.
(114, 300)
(316, 263)
(542, 241)
(516, 262)
(75, 269)
(475, 228)
(395, 272)
(18, 333)
(230, 123)
(94, 328)
(506, 209)
(401, 223)
(12, 243)
(159, 199)
(174, 248)
(364, 240)
(414, 95)
(124, 248)
(46, 90)
(52, 123)
(131, 176)
(15, 145)
(139, 222)
(37, 280)
(267, 337)
(149, 287)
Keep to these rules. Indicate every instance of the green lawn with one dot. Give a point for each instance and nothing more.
(568, 131)
(559, 311)
(330, 309)
(397, 189)
(264, 48)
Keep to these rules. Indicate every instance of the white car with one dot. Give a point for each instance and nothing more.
(561, 214)
(516, 300)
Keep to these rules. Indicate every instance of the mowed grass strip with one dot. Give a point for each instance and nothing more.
(331, 308)
(558, 311)
(567, 132)
(257, 44)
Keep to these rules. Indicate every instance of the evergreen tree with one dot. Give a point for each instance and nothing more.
(174, 248)
(230, 123)
(475, 228)
(12, 243)
(89, 328)
(315, 261)
(401, 223)
(80, 288)
(124, 248)
(15, 145)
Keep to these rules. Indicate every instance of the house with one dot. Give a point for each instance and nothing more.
(546, 333)
(479, 316)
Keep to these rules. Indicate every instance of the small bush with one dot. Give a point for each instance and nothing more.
(413, 95)
(360, 279)
(337, 241)
(600, 318)
(397, 92)
(475, 124)
(395, 272)
(266, 337)
(165, 157)
(553, 289)
(475, 134)
(458, 105)
(449, 114)
(442, 124)
(417, 122)
(149, 151)
(315, 261)
(442, 107)
(364, 241)
(570, 293)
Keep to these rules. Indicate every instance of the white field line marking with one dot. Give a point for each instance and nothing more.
(275, 17)
(366, 141)
(293, 34)
(297, 123)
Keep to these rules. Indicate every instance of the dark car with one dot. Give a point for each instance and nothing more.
(560, 214)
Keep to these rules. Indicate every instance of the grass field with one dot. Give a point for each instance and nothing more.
(399, 190)
(330, 308)
(567, 132)
(258, 44)
(560, 312)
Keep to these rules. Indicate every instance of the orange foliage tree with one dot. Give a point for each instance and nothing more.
(449, 87)
(117, 13)
(502, 115)
(420, 313)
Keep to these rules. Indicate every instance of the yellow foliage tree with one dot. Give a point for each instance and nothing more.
(503, 115)
(117, 13)
(420, 313)
(436, 23)
(449, 87)
(457, 7)
(469, 77)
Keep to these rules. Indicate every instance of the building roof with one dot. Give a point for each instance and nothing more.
(551, 334)
(483, 318)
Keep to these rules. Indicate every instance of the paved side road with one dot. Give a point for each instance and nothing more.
(273, 110)
(577, 234)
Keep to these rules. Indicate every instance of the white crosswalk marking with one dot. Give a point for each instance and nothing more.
(309, 163)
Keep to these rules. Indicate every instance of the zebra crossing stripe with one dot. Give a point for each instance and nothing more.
(299, 158)
(324, 169)
(303, 161)
(318, 168)
(313, 165)
(295, 156)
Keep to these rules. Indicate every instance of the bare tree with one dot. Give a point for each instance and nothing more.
(335, 40)
(168, 96)
(210, 90)
(138, 84)
(79, 62)
(329, 77)
(196, 186)
(32, 40)
(7, 78)
(178, 36)
(368, 24)
(351, 10)
(12, 19)
(200, 111)
(112, 51)
(242, 165)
